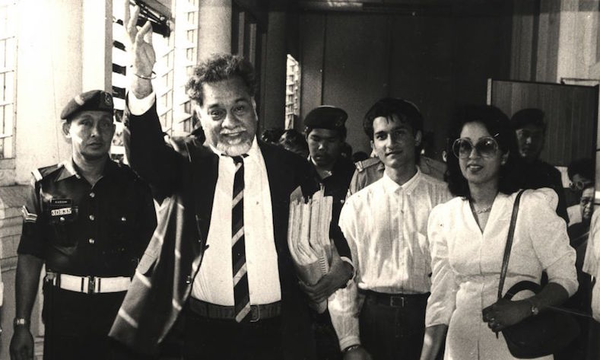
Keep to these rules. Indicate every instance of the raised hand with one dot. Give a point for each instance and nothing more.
(140, 49)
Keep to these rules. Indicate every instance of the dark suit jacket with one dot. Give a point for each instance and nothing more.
(163, 281)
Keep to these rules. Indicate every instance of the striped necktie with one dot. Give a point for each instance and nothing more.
(241, 292)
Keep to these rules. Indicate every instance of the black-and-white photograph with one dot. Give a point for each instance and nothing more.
(299, 179)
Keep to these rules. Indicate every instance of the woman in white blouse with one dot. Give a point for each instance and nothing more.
(468, 236)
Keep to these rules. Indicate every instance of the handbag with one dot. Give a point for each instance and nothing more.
(538, 335)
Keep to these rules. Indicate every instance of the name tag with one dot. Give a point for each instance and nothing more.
(61, 212)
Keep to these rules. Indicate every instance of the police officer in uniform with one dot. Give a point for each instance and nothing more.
(88, 220)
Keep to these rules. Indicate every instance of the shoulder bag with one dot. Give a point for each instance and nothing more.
(538, 335)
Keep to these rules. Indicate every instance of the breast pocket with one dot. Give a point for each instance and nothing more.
(120, 230)
(62, 221)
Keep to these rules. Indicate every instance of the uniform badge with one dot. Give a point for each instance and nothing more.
(27, 216)
(108, 99)
(61, 207)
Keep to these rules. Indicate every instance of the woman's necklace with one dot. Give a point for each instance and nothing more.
(482, 211)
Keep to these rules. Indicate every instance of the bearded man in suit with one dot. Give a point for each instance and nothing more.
(220, 255)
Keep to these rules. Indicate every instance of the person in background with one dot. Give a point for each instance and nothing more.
(381, 313)
(272, 135)
(325, 131)
(591, 266)
(293, 141)
(530, 127)
(580, 301)
(346, 151)
(359, 156)
(581, 175)
(468, 235)
(88, 220)
(371, 169)
(219, 259)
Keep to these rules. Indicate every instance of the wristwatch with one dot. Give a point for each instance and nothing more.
(350, 348)
(20, 322)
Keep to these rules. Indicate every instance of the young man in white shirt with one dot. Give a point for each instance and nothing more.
(382, 312)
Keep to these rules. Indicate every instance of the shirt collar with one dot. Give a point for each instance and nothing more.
(408, 186)
(69, 169)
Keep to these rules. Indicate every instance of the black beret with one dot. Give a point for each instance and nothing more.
(526, 117)
(94, 100)
(326, 117)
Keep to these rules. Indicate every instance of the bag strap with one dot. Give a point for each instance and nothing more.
(509, 240)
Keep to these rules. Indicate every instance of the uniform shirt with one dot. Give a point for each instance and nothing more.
(214, 281)
(86, 230)
(386, 225)
(591, 263)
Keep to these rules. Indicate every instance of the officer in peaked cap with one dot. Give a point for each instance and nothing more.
(88, 220)
(326, 135)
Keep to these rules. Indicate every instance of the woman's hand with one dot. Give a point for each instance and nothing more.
(505, 313)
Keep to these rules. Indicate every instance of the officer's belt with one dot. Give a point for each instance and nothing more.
(214, 311)
(88, 284)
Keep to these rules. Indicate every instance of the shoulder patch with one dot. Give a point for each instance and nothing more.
(27, 216)
(364, 164)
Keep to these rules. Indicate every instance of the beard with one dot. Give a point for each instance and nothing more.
(235, 149)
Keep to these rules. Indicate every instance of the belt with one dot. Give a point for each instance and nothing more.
(397, 300)
(88, 284)
(212, 311)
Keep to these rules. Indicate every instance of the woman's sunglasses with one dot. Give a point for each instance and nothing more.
(486, 147)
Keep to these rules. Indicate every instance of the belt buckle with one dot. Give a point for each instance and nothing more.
(397, 301)
(91, 284)
(254, 314)
(52, 277)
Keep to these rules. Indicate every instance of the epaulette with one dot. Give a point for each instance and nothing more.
(367, 163)
(41, 173)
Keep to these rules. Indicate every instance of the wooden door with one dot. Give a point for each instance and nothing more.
(571, 115)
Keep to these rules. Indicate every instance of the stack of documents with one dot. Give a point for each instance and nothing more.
(308, 238)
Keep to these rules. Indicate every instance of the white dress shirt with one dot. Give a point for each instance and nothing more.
(214, 281)
(466, 265)
(591, 264)
(385, 225)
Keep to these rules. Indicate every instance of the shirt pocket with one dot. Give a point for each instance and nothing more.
(62, 222)
(120, 229)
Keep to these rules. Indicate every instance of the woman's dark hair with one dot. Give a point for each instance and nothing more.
(498, 125)
(584, 167)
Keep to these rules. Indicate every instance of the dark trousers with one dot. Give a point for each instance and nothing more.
(328, 345)
(77, 325)
(216, 339)
(393, 328)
